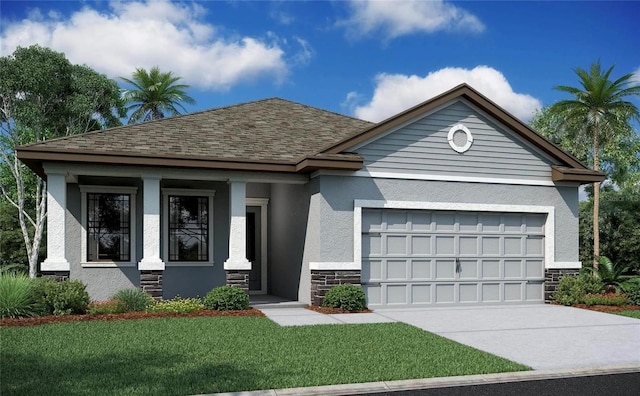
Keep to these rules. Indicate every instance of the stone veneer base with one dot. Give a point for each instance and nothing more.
(151, 283)
(58, 276)
(323, 280)
(238, 278)
(552, 278)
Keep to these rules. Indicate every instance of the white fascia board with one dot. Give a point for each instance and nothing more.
(335, 265)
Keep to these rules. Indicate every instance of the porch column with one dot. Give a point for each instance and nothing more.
(56, 263)
(237, 266)
(151, 266)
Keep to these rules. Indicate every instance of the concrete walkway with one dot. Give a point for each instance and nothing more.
(544, 337)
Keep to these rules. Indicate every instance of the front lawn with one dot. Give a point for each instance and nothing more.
(631, 314)
(224, 354)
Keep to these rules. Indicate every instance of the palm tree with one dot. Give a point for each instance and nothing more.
(155, 95)
(603, 114)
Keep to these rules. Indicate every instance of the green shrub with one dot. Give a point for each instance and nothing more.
(40, 287)
(347, 297)
(177, 304)
(69, 297)
(133, 299)
(605, 299)
(572, 289)
(17, 297)
(632, 291)
(105, 307)
(226, 298)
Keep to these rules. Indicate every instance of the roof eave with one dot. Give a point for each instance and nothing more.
(582, 176)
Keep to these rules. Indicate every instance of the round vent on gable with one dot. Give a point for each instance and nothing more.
(459, 138)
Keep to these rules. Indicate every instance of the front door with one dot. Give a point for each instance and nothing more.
(257, 283)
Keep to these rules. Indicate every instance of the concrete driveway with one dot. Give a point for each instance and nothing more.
(541, 336)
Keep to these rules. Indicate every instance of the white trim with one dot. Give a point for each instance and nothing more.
(262, 203)
(336, 265)
(565, 265)
(448, 178)
(237, 226)
(132, 191)
(452, 132)
(165, 225)
(549, 226)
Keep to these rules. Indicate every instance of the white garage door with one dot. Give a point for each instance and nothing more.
(427, 258)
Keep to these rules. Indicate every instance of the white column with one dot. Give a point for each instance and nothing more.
(237, 227)
(56, 224)
(151, 226)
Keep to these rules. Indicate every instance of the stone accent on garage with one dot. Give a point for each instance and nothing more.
(151, 283)
(58, 276)
(323, 280)
(552, 278)
(238, 278)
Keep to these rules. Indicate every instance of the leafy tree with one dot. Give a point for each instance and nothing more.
(43, 96)
(620, 233)
(594, 124)
(155, 95)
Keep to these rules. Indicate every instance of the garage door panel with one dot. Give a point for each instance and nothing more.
(468, 293)
(396, 270)
(490, 269)
(513, 246)
(468, 269)
(396, 245)
(490, 246)
(534, 269)
(445, 245)
(445, 269)
(422, 258)
(420, 245)
(444, 293)
(468, 245)
(421, 269)
(371, 270)
(396, 294)
(513, 269)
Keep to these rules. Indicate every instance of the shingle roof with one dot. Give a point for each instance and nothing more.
(271, 130)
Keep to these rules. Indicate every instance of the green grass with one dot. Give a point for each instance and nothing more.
(223, 354)
(631, 314)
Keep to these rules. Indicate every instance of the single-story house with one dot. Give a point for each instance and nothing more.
(453, 201)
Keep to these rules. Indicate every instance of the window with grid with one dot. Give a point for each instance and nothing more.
(108, 227)
(188, 228)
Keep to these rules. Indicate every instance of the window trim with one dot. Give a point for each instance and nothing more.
(166, 192)
(96, 189)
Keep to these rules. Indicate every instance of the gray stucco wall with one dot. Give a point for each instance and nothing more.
(338, 195)
(288, 236)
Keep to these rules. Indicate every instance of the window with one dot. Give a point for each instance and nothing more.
(188, 226)
(108, 232)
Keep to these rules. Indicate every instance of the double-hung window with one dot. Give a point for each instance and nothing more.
(108, 232)
(188, 226)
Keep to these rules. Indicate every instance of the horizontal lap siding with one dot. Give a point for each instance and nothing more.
(422, 148)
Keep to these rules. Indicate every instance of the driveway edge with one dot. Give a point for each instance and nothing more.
(440, 382)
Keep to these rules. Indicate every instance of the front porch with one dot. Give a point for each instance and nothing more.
(176, 232)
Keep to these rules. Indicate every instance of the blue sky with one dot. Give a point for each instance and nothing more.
(361, 58)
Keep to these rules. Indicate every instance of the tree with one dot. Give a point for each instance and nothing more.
(155, 95)
(599, 114)
(43, 96)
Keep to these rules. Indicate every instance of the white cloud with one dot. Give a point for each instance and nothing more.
(399, 18)
(397, 92)
(636, 76)
(170, 35)
(303, 57)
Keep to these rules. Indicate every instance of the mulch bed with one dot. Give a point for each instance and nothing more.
(608, 308)
(40, 320)
(330, 311)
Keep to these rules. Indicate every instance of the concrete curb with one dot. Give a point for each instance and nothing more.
(441, 382)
